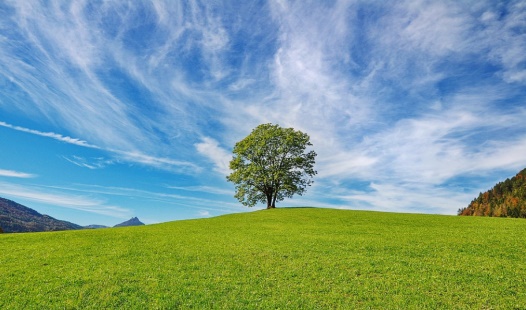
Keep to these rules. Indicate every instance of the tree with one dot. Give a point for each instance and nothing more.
(271, 163)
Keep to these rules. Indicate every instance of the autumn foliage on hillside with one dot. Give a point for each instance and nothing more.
(506, 199)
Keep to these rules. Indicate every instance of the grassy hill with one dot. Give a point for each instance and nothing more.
(284, 258)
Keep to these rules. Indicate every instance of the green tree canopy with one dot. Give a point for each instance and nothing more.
(271, 163)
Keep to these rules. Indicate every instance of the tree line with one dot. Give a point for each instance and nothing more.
(505, 199)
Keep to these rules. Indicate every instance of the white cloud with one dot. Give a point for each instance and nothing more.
(187, 201)
(92, 163)
(436, 27)
(408, 198)
(60, 75)
(80, 203)
(204, 189)
(359, 129)
(130, 156)
(16, 174)
(434, 148)
(210, 148)
(204, 213)
(390, 93)
(241, 84)
(51, 135)
(508, 49)
(158, 162)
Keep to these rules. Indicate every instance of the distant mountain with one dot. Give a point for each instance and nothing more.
(505, 199)
(94, 226)
(15, 217)
(134, 221)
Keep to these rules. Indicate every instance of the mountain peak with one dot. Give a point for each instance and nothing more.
(134, 221)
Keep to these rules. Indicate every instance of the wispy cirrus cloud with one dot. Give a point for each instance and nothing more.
(390, 93)
(67, 77)
(507, 51)
(51, 135)
(93, 75)
(436, 147)
(82, 203)
(91, 163)
(158, 162)
(188, 201)
(210, 148)
(130, 156)
(348, 96)
(406, 198)
(16, 174)
(203, 189)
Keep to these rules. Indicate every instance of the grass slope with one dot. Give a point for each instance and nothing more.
(284, 258)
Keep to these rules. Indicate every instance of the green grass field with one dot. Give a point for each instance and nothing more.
(302, 258)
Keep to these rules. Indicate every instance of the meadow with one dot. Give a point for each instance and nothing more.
(289, 258)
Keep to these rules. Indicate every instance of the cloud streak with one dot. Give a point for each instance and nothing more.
(75, 202)
(188, 201)
(16, 174)
(210, 148)
(51, 135)
(130, 156)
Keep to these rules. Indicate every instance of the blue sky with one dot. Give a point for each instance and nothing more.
(114, 109)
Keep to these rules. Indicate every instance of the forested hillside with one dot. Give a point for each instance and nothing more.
(506, 199)
(15, 217)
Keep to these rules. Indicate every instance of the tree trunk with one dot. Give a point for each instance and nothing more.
(269, 202)
(275, 195)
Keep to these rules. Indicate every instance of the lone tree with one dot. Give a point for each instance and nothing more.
(271, 163)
